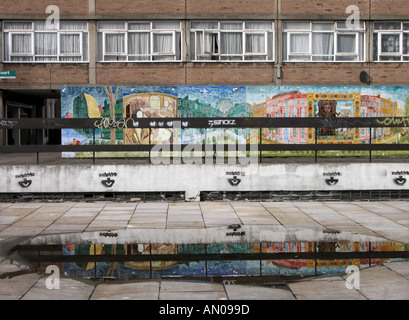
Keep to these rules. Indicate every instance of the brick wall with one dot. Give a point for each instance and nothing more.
(144, 7)
(320, 8)
(37, 7)
(230, 74)
(391, 8)
(140, 74)
(46, 74)
(323, 73)
(225, 8)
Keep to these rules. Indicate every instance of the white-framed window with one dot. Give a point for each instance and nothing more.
(323, 41)
(129, 41)
(35, 41)
(231, 41)
(391, 41)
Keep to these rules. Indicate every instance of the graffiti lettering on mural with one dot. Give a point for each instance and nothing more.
(108, 182)
(404, 122)
(7, 124)
(222, 122)
(111, 123)
(121, 109)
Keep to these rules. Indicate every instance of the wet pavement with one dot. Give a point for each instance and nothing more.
(381, 220)
(389, 281)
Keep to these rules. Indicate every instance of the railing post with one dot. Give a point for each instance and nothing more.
(370, 144)
(259, 143)
(316, 139)
(93, 142)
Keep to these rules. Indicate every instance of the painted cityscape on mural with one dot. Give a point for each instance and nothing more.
(229, 101)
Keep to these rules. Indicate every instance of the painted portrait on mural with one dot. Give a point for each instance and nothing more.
(229, 101)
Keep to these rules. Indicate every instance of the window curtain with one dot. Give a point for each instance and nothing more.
(322, 43)
(138, 44)
(115, 43)
(299, 43)
(21, 44)
(231, 42)
(46, 45)
(163, 44)
(255, 43)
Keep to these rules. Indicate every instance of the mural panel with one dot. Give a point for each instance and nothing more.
(229, 101)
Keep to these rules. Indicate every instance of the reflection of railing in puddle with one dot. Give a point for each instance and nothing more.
(147, 261)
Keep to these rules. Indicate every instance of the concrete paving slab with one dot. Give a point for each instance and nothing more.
(333, 288)
(16, 287)
(401, 268)
(241, 292)
(129, 291)
(382, 283)
(69, 289)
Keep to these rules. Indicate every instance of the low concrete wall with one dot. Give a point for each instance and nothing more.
(192, 179)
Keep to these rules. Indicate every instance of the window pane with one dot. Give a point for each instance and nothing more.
(322, 26)
(204, 25)
(139, 26)
(258, 25)
(390, 43)
(322, 43)
(73, 25)
(297, 25)
(18, 25)
(387, 25)
(299, 43)
(162, 43)
(70, 43)
(138, 43)
(114, 43)
(405, 43)
(168, 25)
(231, 26)
(21, 43)
(45, 44)
(255, 43)
(231, 43)
(346, 43)
(355, 26)
(111, 25)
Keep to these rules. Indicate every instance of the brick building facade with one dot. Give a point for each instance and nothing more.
(188, 42)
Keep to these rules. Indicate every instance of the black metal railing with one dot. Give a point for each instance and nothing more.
(314, 144)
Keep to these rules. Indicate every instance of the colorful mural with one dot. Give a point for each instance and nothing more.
(157, 269)
(230, 101)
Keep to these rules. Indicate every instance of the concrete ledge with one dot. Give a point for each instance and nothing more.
(194, 178)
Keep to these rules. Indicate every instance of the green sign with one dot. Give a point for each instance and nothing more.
(7, 74)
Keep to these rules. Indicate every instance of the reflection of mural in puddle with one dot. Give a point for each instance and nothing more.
(235, 267)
